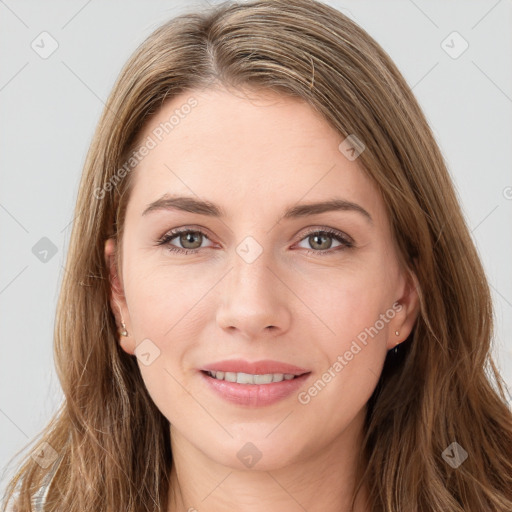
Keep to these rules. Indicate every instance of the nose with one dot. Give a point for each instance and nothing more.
(254, 301)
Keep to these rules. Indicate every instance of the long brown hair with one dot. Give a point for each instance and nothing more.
(112, 442)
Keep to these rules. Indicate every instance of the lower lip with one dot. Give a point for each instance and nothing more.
(254, 395)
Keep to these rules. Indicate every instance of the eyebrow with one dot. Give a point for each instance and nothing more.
(192, 205)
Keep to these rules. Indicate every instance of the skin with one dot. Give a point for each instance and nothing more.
(254, 155)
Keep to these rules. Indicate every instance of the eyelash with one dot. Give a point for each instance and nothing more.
(333, 233)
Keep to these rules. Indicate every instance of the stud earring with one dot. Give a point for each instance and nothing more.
(395, 350)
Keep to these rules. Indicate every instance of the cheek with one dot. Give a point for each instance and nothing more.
(352, 313)
(161, 314)
(165, 305)
(167, 318)
(346, 301)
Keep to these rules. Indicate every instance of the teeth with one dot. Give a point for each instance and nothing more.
(260, 379)
(249, 378)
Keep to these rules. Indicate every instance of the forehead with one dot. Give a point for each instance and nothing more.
(246, 150)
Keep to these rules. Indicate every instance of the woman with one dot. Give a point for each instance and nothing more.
(272, 299)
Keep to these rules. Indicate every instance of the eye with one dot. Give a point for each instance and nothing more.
(321, 241)
(191, 240)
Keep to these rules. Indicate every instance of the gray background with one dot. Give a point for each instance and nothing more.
(51, 105)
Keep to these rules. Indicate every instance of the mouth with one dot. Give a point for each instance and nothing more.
(253, 390)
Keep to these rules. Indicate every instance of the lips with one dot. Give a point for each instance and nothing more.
(255, 368)
(254, 395)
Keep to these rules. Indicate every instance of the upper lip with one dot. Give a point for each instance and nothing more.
(256, 367)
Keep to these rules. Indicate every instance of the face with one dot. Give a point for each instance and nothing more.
(317, 288)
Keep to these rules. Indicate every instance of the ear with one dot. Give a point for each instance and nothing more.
(117, 297)
(407, 308)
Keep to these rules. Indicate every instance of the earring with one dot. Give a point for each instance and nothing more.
(395, 350)
(124, 332)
